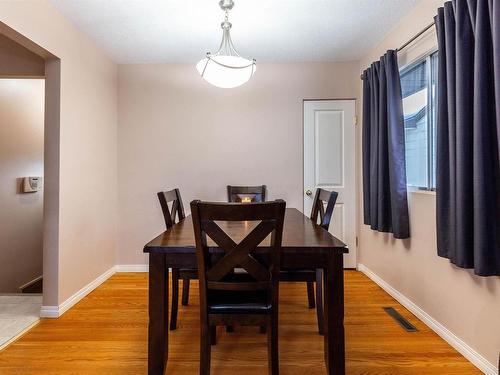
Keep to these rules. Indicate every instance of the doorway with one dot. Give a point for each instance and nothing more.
(21, 185)
(29, 192)
(21, 201)
(330, 164)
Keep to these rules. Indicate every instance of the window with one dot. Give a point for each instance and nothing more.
(418, 85)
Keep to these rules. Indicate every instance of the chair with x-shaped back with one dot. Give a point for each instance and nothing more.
(311, 276)
(228, 297)
(170, 214)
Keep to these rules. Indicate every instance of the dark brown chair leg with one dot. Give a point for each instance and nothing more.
(205, 350)
(185, 292)
(175, 298)
(319, 301)
(213, 335)
(310, 294)
(272, 346)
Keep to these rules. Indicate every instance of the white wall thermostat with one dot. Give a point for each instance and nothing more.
(31, 184)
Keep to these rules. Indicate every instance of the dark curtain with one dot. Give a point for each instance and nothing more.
(468, 135)
(384, 169)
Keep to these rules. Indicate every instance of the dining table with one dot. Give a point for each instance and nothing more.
(305, 245)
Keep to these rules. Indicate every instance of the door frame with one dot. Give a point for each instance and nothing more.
(51, 159)
(356, 162)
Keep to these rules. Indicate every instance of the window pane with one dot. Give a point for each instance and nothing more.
(414, 85)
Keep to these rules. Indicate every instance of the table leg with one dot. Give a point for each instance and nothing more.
(158, 315)
(334, 315)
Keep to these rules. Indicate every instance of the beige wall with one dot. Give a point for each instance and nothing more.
(18, 61)
(21, 154)
(86, 242)
(175, 130)
(469, 306)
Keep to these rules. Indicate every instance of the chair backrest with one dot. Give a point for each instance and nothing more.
(250, 193)
(318, 208)
(174, 196)
(263, 270)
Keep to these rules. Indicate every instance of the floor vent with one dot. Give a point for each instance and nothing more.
(399, 318)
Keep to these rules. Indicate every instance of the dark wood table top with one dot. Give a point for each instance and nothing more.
(300, 235)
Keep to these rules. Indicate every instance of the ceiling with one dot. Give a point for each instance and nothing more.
(134, 31)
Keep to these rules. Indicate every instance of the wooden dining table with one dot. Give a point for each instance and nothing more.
(305, 245)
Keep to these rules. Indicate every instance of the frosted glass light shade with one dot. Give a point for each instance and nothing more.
(226, 71)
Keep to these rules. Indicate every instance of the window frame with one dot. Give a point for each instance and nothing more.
(431, 76)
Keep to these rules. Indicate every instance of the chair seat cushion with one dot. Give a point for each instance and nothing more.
(300, 270)
(190, 273)
(297, 275)
(238, 302)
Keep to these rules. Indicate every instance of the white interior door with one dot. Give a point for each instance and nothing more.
(329, 163)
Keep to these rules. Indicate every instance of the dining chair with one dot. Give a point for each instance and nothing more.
(246, 193)
(170, 214)
(311, 276)
(229, 298)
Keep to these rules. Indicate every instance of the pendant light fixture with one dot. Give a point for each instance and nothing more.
(226, 68)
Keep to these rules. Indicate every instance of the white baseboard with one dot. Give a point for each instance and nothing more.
(132, 268)
(474, 357)
(57, 311)
(49, 312)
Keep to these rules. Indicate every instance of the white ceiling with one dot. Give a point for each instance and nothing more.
(133, 31)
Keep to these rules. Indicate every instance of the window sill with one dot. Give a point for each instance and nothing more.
(415, 190)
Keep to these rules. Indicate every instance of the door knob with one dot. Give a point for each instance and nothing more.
(309, 192)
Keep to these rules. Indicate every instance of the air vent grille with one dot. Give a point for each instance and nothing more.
(400, 319)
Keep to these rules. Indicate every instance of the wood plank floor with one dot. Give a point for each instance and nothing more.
(106, 333)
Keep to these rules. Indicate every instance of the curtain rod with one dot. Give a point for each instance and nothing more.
(411, 40)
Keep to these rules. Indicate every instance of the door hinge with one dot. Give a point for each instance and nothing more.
(355, 120)
(357, 242)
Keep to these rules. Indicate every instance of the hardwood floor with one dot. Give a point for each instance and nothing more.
(106, 333)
